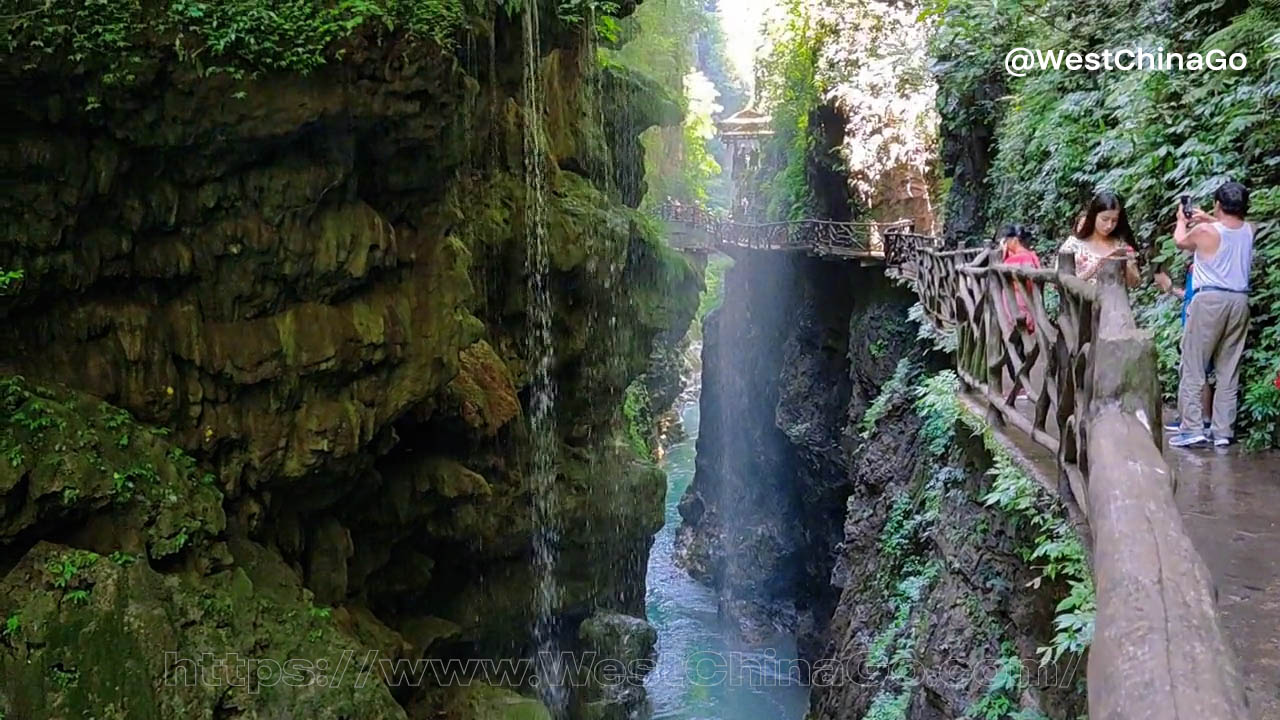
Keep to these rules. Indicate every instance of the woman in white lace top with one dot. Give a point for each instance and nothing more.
(1104, 234)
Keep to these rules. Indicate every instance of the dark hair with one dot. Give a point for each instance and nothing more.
(1018, 230)
(1233, 197)
(1103, 201)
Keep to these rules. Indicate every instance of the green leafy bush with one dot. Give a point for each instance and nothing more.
(790, 89)
(1053, 548)
(889, 394)
(1149, 136)
(113, 40)
(638, 419)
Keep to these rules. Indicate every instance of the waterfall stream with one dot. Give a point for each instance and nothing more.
(542, 397)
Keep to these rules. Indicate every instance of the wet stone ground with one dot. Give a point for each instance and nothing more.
(1230, 502)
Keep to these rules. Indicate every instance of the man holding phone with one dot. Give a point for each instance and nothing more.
(1218, 315)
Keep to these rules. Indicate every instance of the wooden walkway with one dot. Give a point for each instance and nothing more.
(692, 229)
(1230, 503)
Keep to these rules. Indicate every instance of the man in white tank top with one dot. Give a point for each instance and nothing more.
(1218, 317)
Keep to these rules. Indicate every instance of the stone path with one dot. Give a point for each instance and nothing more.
(1230, 502)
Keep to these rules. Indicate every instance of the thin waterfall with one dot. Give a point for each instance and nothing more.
(542, 397)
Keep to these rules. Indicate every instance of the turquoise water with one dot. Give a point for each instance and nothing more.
(703, 672)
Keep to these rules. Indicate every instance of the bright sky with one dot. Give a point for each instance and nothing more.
(742, 21)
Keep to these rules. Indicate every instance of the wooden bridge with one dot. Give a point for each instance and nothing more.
(692, 229)
(1092, 399)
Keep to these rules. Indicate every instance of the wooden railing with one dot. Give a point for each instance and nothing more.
(1091, 397)
(820, 237)
(901, 248)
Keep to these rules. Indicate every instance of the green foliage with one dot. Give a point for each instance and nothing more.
(114, 40)
(937, 404)
(1162, 315)
(9, 279)
(64, 678)
(600, 12)
(123, 559)
(1049, 546)
(1054, 549)
(125, 482)
(713, 290)
(12, 625)
(890, 393)
(64, 568)
(80, 443)
(658, 44)
(114, 418)
(889, 706)
(790, 90)
(33, 415)
(1001, 696)
(1149, 136)
(945, 342)
(906, 577)
(638, 418)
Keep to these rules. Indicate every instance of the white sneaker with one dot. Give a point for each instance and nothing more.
(1188, 440)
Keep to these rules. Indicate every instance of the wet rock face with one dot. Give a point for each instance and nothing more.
(108, 634)
(739, 532)
(966, 158)
(798, 348)
(622, 648)
(978, 606)
(316, 295)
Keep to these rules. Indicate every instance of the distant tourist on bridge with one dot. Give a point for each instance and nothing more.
(1104, 234)
(1218, 316)
(1014, 241)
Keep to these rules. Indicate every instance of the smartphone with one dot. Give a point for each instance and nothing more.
(1186, 206)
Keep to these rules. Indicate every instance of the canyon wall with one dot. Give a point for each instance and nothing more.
(267, 370)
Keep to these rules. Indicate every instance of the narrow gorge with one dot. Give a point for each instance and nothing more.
(844, 498)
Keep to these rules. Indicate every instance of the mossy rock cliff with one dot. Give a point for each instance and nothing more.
(306, 295)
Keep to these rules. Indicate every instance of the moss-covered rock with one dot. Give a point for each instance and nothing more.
(65, 456)
(479, 700)
(95, 636)
(483, 389)
(319, 283)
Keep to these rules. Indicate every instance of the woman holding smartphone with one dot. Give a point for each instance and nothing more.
(1103, 235)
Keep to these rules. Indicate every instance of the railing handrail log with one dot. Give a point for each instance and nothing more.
(1071, 283)
(1158, 651)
